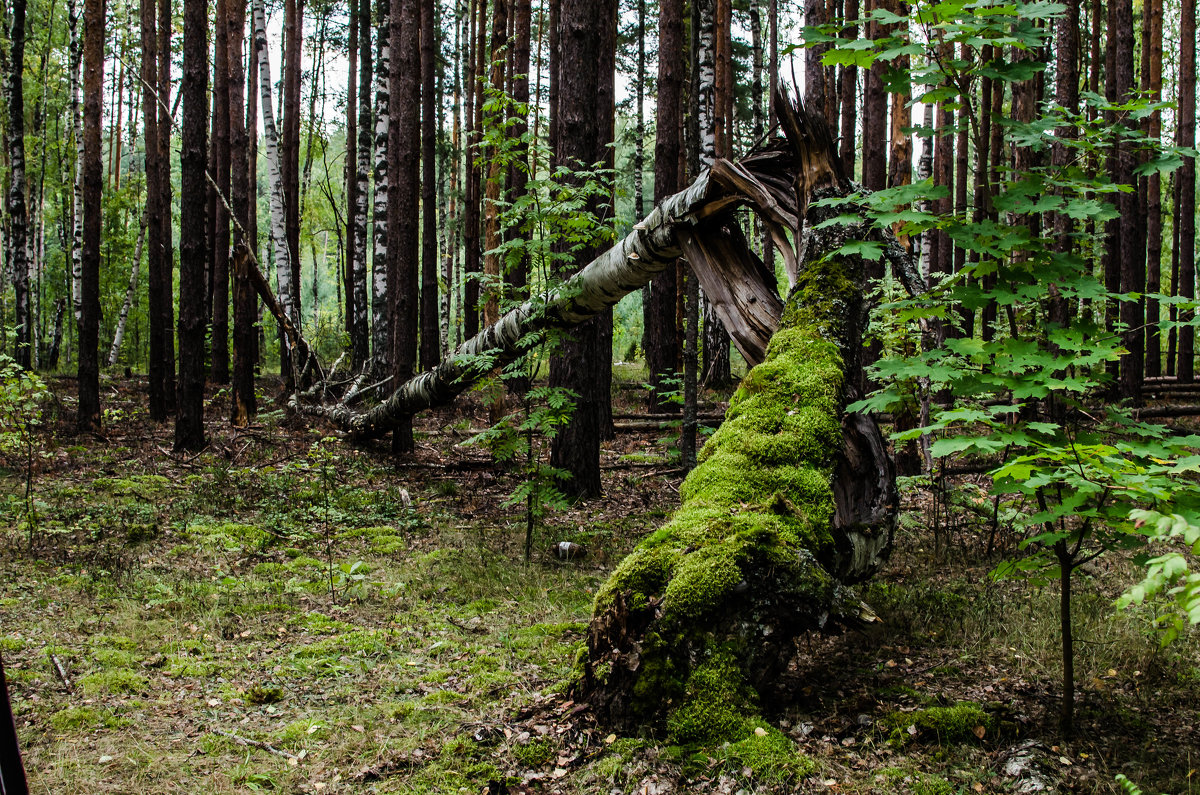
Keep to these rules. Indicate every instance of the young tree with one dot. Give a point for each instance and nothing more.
(88, 417)
(189, 420)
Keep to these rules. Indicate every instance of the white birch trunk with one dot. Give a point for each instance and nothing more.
(74, 56)
(362, 312)
(381, 332)
(119, 337)
(283, 267)
(706, 85)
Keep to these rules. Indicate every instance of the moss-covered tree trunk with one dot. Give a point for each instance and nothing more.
(792, 501)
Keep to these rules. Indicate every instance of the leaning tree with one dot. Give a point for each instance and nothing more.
(793, 499)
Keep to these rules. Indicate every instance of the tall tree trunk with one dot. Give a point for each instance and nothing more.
(166, 302)
(350, 171)
(243, 404)
(357, 301)
(189, 421)
(662, 352)
(381, 337)
(848, 95)
(404, 144)
(18, 217)
(155, 249)
(131, 293)
(289, 142)
(1152, 83)
(76, 60)
(88, 418)
(1133, 250)
(576, 449)
(430, 349)
(1067, 96)
(1186, 207)
(219, 222)
(494, 189)
(519, 168)
(283, 267)
(472, 264)
(639, 127)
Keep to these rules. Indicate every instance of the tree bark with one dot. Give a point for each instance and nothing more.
(166, 301)
(848, 95)
(1133, 244)
(360, 331)
(404, 144)
(289, 140)
(155, 250)
(381, 336)
(17, 215)
(1186, 207)
(283, 268)
(243, 403)
(662, 352)
(430, 349)
(493, 192)
(1152, 45)
(189, 420)
(219, 221)
(92, 177)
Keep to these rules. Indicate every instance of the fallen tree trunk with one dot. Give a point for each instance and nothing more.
(791, 502)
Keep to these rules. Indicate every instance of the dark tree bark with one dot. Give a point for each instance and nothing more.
(430, 349)
(289, 144)
(189, 421)
(472, 263)
(360, 331)
(662, 350)
(1186, 207)
(874, 124)
(1067, 96)
(243, 402)
(350, 173)
(156, 253)
(1152, 44)
(577, 447)
(1133, 250)
(404, 145)
(814, 71)
(18, 218)
(219, 221)
(518, 172)
(716, 367)
(166, 301)
(494, 189)
(91, 170)
(848, 96)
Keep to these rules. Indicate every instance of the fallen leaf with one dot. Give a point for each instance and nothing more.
(979, 731)
(610, 739)
(759, 731)
(104, 760)
(357, 728)
(1065, 761)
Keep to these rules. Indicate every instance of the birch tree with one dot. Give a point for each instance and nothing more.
(17, 215)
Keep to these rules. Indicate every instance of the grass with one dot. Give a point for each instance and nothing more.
(445, 666)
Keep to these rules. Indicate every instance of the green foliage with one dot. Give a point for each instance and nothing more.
(1027, 392)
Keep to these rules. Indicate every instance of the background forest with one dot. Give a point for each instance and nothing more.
(241, 242)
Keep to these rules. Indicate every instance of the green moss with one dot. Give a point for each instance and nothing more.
(113, 658)
(388, 544)
(263, 694)
(115, 681)
(534, 753)
(769, 756)
(717, 706)
(11, 643)
(954, 724)
(76, 719)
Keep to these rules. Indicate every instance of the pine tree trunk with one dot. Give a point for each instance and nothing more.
(494, 189)
(243, 403)
(17, 216)
(350, 172)
(219, 242)
(518, 170)
(155, 250)
(289, 140)
(92, 178)
(189, 420)
(848, 96)
(1152, 83)
(1133, 244)
(360, 331)
(1186, 207)
(430, 349)
(662, 352)
(576, 449)
(166, 302)
(472, 265)
(381, 336)
(404, 144)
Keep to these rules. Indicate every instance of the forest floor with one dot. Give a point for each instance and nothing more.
(285, 612)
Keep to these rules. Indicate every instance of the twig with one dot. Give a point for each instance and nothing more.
(254, 744)
(58, 669)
